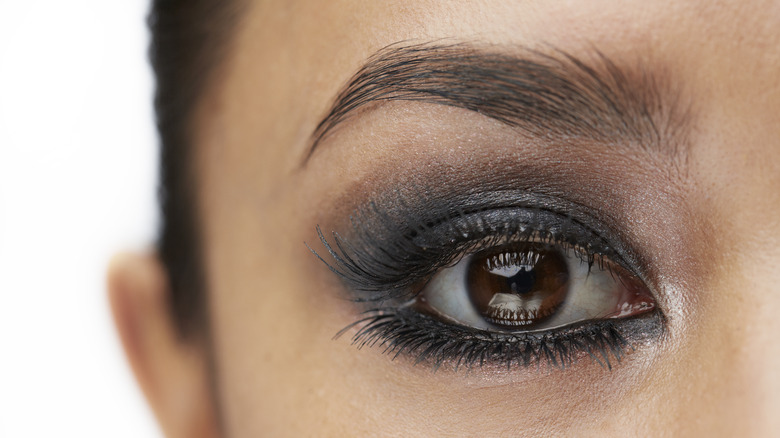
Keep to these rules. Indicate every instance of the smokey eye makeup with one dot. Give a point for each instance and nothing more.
(501, 278)
(513, 254)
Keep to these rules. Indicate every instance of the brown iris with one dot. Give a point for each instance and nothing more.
(518, 286)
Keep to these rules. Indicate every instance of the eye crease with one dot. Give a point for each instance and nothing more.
(512, 283)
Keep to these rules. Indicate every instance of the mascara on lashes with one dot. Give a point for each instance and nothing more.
(396, 242)
(389, 254)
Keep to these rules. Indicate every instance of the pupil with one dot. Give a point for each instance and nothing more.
(519, 286)
(522, 282)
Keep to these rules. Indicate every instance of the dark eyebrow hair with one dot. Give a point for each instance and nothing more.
(553, 95)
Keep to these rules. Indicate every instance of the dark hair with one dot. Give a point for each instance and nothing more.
(190, 39)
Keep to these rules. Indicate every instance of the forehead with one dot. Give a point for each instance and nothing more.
(289, 61)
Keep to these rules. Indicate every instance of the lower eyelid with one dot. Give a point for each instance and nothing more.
(422, 339)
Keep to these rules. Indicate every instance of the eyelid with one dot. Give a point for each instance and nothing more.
(400, 331)
(385, 255)
(389, 254)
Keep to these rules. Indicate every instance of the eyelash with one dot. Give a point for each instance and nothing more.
(404, 331)
(387, 261)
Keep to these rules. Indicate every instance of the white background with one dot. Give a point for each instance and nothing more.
(77, 180)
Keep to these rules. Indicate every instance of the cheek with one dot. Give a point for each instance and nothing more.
(274, 314)
(275, 311)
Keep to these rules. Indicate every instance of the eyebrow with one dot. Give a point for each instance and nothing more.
(545, 94)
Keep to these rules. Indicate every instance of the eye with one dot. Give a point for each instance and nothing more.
(504, 285)
(533, 286)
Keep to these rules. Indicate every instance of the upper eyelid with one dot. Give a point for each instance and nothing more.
(360, 267)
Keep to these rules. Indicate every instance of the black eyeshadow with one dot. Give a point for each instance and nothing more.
(397, 240)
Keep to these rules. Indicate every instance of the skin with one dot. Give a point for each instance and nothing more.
(269, 366)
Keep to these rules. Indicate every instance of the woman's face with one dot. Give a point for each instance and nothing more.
(644, 136)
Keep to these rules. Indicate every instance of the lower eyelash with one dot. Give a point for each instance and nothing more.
(404, 331)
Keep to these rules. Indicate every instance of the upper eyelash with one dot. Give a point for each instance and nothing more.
(380, 268)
